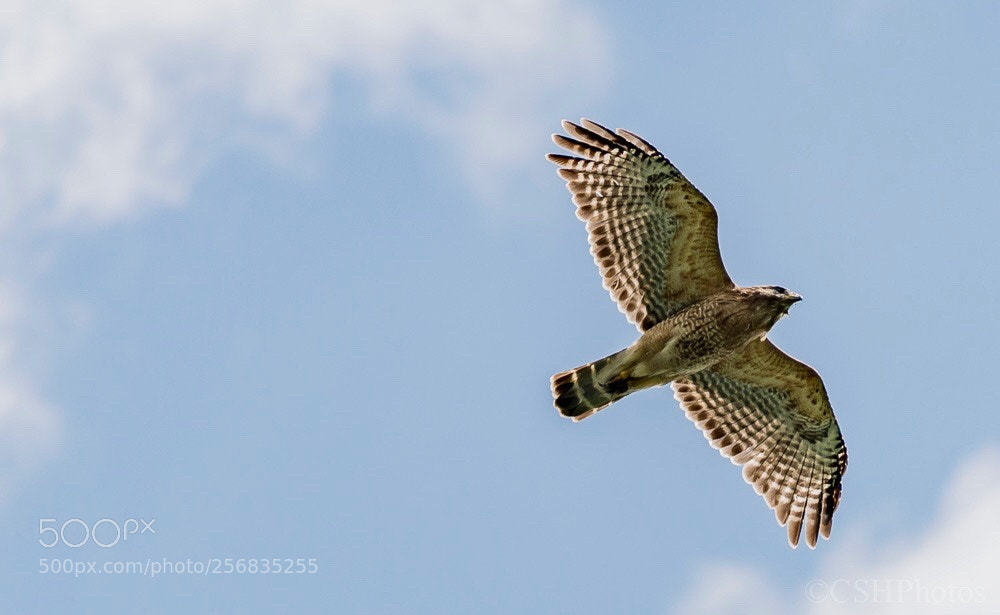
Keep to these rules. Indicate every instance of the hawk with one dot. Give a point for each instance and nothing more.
(654, 238)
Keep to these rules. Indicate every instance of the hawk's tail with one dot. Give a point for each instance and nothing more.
(583, 391)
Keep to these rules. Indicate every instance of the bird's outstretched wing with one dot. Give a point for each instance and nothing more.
(770, 413)
(653, 235)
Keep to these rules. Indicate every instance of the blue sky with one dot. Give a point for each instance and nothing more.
(291, 279)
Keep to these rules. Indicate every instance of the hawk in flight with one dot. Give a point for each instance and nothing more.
(654, 238)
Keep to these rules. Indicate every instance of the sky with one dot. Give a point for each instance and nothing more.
(282, 285)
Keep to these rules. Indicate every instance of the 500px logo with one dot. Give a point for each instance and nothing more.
(104, 533)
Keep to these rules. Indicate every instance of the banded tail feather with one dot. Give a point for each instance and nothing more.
(584, 390)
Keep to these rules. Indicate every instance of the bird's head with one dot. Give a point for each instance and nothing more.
(775, 301)
(780, 295)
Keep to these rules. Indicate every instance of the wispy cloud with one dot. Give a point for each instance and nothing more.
(29, 427)
(950, 567)
(110, 108)
(720, 589)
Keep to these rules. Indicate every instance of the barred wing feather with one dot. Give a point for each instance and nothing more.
(653, 235)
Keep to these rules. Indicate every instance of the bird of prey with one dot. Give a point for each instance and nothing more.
(654, 238)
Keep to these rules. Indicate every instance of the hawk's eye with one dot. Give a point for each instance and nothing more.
(779, 290)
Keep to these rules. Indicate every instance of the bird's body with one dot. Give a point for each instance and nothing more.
(695, 338)
(653, 236)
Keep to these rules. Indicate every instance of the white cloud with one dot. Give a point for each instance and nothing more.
(29, 427)
(108, 107)
(950, 567)
(725, 589)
